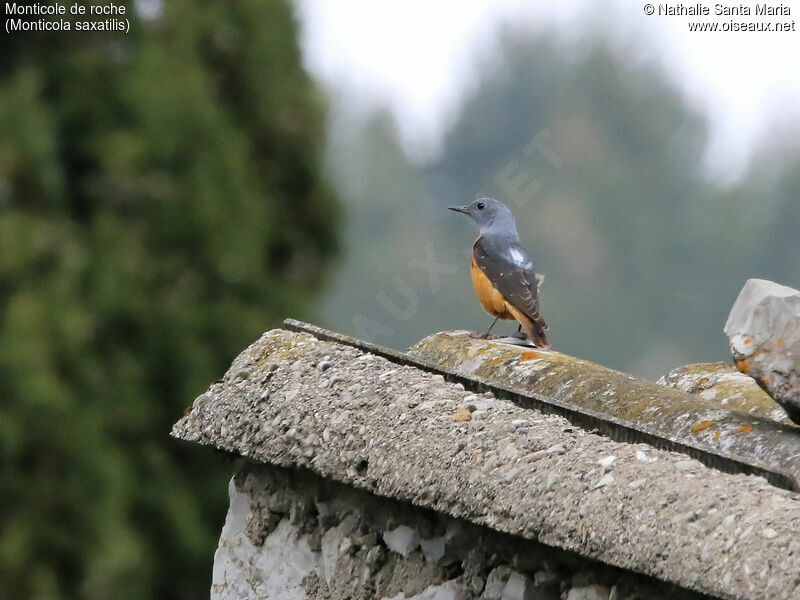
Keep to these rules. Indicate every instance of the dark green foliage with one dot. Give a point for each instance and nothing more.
(160, 206)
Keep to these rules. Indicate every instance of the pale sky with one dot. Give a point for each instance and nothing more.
(417, 57)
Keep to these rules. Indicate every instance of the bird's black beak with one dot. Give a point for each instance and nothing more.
(461, 209)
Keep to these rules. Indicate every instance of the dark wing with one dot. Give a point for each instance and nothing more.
(511, 272)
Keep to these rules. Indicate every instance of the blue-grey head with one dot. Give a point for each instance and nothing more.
(492, 216)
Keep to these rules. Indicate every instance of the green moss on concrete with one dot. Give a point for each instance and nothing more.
(743, 426)
(556, 375)
(723, 385)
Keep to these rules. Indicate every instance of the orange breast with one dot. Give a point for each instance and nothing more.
(490, 298)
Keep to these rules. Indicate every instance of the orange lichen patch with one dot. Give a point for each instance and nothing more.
(701, 426)
(743, 365)
(765, 380)
(530, 355)
(461, 415)
(717, 434)
(779, 342)
(743, 429)
(747, 341)
(702, 381)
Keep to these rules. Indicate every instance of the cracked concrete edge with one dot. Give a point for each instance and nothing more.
(293, 401)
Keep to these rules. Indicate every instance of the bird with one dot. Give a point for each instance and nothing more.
(502, 272)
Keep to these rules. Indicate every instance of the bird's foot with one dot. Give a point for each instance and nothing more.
(481, 336)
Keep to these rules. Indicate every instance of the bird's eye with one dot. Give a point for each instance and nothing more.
(481, 205)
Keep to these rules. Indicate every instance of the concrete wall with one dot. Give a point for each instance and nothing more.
(290, 534)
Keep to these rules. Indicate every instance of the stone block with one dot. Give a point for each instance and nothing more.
(763, 329)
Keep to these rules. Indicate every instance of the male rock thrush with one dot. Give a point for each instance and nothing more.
(502, 272)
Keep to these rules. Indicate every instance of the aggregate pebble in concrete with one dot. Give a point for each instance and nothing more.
(389, 430)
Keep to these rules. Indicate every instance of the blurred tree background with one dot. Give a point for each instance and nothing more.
(601, 160)
(161, 204)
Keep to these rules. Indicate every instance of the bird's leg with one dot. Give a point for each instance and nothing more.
(519, 333)
(485, 335)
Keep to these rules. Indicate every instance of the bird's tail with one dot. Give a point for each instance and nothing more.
(534, 331)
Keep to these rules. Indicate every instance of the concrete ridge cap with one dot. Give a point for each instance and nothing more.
(295, 401)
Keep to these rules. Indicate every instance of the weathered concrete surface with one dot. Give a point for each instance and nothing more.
(764, 333)
(292, 535)
(563, 380)
(293, 401)
(724, 386)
